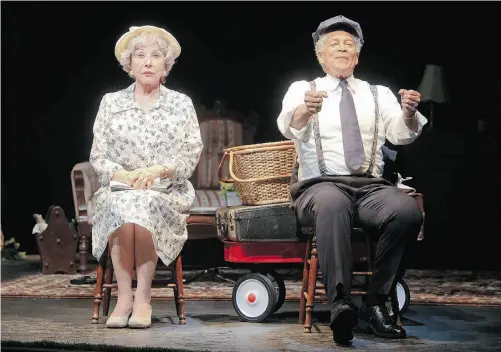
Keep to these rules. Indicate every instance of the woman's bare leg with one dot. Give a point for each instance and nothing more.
(146, 262)
(122, 256)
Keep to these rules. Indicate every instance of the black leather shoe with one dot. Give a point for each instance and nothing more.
(343, 320)
(377, 320)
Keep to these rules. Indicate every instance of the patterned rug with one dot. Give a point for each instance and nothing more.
(427, 287)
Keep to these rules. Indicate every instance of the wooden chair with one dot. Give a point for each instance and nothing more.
(104, 284)
(311, 288)
(104, 280)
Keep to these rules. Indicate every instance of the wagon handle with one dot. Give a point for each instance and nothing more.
(256, 179)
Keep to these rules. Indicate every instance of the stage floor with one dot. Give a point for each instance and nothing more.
(214, 326)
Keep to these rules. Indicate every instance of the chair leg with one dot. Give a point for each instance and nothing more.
(304, 284)
(108, 280)
(179, 290)
(370, 252)
(98, 292)
(312, 283)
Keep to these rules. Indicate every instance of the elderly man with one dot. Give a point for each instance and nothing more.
(339, 125)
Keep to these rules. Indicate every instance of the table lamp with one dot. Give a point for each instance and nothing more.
(433, 88)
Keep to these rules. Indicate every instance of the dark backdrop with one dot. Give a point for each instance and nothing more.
(57, 62)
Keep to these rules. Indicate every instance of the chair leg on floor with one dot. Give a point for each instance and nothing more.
(312, 283)
(98, 292)
(304, 284)
(108, 280)
(179, 291)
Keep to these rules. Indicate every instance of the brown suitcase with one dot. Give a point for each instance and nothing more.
(257, 223)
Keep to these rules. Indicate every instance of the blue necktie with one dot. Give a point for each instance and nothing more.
(354, 154)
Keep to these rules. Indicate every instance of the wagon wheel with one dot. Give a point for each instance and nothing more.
(278, 283)
(399, 300)
(254, 298)
(280, 288)
(403, 295)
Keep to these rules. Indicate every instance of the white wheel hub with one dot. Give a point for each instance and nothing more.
(252, 298)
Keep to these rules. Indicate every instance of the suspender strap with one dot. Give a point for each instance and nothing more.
(316, 136)
(376, 131)
(318, 142)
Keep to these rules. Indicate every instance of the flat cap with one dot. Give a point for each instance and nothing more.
(338, 23)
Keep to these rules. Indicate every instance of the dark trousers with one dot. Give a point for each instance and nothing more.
(333, 209)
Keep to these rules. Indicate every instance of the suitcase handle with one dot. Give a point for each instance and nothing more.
(222, 227)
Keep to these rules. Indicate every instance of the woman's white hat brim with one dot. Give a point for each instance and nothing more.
(134, 32)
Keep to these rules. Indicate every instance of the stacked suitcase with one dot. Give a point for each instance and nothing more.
(257, 223)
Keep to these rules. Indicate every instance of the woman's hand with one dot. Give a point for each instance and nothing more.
(133, 175)
(146, 178)
(127, 177)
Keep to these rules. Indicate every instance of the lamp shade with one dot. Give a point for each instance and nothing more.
(432, 86)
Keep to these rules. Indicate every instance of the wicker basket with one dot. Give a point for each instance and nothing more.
(261, 173)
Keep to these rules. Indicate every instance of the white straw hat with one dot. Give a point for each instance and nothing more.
(133, 32)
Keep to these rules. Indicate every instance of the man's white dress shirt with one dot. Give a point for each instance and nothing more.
(391, 125)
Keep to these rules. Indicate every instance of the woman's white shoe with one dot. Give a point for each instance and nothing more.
(118, 322)
(140, 322)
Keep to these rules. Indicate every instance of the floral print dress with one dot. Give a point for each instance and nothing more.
(127, 138)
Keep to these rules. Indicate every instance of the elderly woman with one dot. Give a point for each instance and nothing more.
(146, 136)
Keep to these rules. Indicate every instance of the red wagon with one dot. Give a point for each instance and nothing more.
(261, 292)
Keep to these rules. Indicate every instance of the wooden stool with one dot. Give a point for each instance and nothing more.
(310, 288)
(104, 284)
